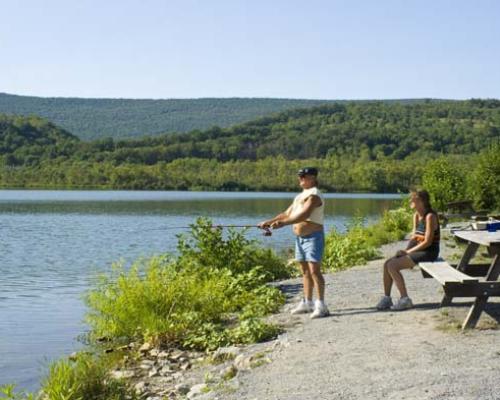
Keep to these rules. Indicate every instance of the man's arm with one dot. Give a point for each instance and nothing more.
(279, 217)
(309, 205)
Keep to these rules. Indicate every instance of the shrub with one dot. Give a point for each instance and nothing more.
(394, 225)
(8, 392)
(212, 287)
(351, 248)
(208, 246)
(85, 378)
(360, 243)
(445, 182)
(484, 182)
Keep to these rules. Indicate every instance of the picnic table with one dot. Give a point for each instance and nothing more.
(462, 279)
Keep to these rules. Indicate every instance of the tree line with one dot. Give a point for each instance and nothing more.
(372, 146)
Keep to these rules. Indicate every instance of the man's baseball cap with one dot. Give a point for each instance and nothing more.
(308, 171)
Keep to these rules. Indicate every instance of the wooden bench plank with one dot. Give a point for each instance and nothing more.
(444, 273)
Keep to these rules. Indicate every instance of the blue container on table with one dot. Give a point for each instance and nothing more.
(493, 226)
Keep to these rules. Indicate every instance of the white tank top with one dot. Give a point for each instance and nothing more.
(317, 216)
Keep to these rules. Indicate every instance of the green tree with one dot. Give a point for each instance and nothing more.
(445, 182)
(484, 182)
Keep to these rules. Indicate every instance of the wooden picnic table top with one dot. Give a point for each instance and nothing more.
(484, 238)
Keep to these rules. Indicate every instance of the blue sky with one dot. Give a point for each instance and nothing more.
(314, 49)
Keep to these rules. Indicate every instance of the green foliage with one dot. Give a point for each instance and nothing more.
(85, 378)
(393, 226)
(204, 299)
(360, 243)
(351, 248)
(337, 174)
(8, 392)
(484, 182)
(358, 146)
(231, 249)
(253, 330)
(28, 140)
(445, 182)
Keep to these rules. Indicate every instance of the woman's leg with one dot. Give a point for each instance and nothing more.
(394, 267)
(387, 279)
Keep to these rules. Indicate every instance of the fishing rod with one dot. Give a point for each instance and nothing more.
(267, 231)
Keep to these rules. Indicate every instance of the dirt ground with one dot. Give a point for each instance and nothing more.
(361, 353)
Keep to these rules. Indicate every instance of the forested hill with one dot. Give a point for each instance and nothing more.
(375, 130)
(376, 147)
(126, 118)
(28, 140)
(122, 118)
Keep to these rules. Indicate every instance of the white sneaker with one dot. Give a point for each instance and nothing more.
(385, 303)
(404, 303)
(303, 307)
(320, 310)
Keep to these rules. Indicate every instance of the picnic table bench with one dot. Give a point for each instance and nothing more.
(463, 279)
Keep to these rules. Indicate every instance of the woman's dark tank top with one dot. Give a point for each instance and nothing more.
(420, 232)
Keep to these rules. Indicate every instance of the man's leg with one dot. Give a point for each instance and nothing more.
(320, 308)
(317, 278)
(305, 305)
(307, 280)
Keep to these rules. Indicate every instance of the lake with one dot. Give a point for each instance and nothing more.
(53, 243)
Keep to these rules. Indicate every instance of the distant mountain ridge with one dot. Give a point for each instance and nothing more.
(132, 118)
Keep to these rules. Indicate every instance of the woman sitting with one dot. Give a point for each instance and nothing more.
(423, 246)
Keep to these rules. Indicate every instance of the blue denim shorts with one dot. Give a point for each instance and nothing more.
(310, 247)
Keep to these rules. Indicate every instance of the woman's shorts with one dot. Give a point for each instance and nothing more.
(427, 255)
(310, 247)
(423, 256)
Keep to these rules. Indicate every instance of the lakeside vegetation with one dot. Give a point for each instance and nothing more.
(372, 147)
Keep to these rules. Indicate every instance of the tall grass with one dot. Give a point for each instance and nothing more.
(360, 243)
(86, 377)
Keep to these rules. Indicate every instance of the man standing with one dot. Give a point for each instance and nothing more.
(306, 214)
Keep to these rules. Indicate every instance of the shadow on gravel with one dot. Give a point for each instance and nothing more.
(427, 306)
(290, 290)
(370, 310)
(354, 311)
(492, 309)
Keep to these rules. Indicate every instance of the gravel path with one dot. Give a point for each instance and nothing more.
(359, 353)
